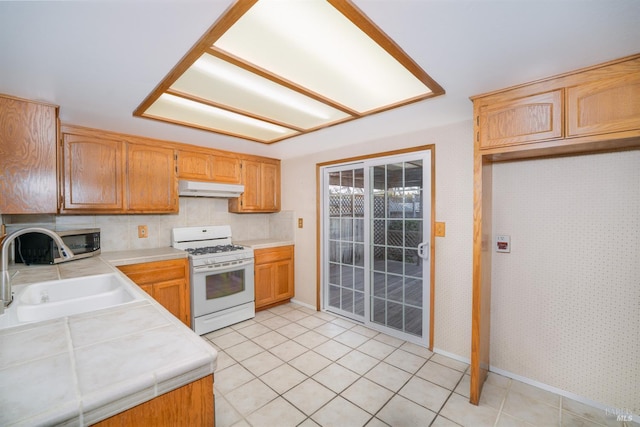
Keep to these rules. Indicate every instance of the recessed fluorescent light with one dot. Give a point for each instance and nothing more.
(258, 85)
(287, 67)
(219, 112)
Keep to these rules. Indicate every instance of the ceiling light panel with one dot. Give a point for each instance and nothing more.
(215, 80)
(314, 45)
(185, 111)
(269, 70)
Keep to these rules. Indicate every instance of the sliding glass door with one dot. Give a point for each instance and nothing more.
(375, 243)
(346, 254)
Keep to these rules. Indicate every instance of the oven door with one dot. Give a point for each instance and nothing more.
(214, 288)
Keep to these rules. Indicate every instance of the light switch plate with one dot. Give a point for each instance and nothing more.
(300, 223)
(441, 229)
(503, 243)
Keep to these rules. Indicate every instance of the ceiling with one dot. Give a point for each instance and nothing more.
(99, 59)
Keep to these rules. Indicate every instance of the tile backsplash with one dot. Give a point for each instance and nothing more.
(120, 232)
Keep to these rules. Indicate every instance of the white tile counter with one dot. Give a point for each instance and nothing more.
(80, 369)
(264, 243)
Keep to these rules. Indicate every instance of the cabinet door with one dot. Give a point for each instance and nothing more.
(167, 282)
(604, 106)
(270, 187)
(92, 174)
(524, 120)
(152, 184)
(225, 169)
(147, 288)
(274, 275)
(264, 289)
(172, 296)
(193, 165)
(261, 188)
(283, 281)
(251, 178)
(28, 145)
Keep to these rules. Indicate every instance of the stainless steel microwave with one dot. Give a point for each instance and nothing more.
(38, 248)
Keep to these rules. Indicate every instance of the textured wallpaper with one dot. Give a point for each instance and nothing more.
(566, 300)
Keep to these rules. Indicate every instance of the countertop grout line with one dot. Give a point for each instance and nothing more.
(74, 369)
(52, 410)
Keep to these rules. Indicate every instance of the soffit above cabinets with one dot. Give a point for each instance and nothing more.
(269, 70)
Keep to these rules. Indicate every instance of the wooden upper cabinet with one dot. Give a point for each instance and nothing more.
(521, 120)
(251, 178)
(28, 156)
(208, 167)
(261, 180)
(589, 110)
(104, 173)
(92, 174)
(270, 187)
(225, 169)
(604, 106)
(194, 165)
(151, 179)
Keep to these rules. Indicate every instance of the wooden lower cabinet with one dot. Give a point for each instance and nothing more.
(274, 276)
(189, 405)
(167, 282)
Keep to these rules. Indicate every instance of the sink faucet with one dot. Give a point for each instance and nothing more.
(6, 296)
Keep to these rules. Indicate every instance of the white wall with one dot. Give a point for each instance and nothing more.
(454, 205)
(565, 302)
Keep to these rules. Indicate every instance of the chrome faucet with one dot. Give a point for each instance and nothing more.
(6, 296)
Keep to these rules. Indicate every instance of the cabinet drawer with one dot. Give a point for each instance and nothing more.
(153, 272)
(519, 121)
(604, 106)
(264, 256)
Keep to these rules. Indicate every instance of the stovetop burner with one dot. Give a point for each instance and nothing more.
(214, 249)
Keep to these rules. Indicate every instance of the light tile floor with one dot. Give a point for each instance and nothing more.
(292, 366)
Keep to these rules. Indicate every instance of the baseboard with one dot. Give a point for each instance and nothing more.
(452, 356)
(304, 304)
(627, 413)
(624, 412)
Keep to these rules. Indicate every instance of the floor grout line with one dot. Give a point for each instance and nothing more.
(351, 346)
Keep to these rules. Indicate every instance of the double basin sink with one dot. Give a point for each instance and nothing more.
(60, 298)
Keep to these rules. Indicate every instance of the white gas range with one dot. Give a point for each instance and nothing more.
(222, 285)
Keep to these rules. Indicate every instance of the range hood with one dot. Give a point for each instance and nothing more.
(209, 189)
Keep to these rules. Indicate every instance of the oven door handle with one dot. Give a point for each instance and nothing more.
(221, 267)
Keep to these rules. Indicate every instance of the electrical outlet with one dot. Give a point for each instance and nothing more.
(143, 232)
(299, 222)
(440, 229)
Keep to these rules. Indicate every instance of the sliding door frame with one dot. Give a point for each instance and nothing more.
(319, 199)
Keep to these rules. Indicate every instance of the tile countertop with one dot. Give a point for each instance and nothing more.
(119, 258)
(264, 243)
(80, 369)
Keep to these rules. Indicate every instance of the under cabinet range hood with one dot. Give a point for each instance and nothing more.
(209, 189)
